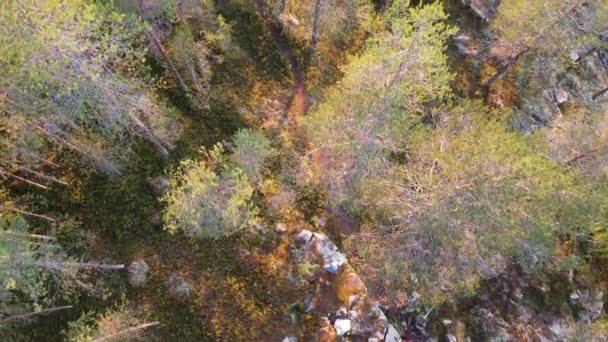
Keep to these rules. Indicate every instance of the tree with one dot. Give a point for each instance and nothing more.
(33, 264)
(395, 84)
(210, 198)
(182, 37)
(125, 322)
(475, 196)
(73, 74)
(546, 31)
(251, 151)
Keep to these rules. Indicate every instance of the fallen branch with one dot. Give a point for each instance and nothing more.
(44, 217)
(31, 314)
(126, 331)
(10, 175)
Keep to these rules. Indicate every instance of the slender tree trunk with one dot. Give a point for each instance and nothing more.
(503, 70)
(178, 77)
(43, 160)
(103, 164)
(59, 266)
(127, 332)
(33, 236)
(316, 26)
(31, 314)
(165, 56)
(600, 93)
(44, 217)
(149, 136)
(36, 173)
(25, 180)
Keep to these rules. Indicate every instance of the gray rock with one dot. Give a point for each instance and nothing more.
(342, 326)
(280, 228)
(590, 303)
(304, 236)
(159, 184)
(392, 335)
(138, 271)
(561, 96)
(178, 286)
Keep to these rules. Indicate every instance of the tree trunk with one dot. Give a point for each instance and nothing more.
(600, 93)
(53, 265)
(126, 332)
(103, 164)
(316, 26)
(502, 71)
(36, 173)
(31, 314)
(178, 77)
(165, 56)
(149, 135)
(33, 236)
(44, 217)
(38, 185)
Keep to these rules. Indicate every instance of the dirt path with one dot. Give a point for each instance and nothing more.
(298, 103)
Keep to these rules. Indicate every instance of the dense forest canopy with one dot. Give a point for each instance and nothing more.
(286, 170)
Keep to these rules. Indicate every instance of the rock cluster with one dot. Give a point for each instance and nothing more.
(339, 296)
(517, 306)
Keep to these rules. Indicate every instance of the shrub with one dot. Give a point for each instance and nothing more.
(210, 198)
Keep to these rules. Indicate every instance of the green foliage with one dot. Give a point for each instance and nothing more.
(252, 149)
(552, 26)
(112, 324)
(482, 196)
(75, 74)
(25, 282)
(364, 120)
(209, 198)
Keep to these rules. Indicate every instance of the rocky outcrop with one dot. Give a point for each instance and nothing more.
(338, 295)
(576, 85)
(517, 306)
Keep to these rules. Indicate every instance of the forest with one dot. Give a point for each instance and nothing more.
(303, 170)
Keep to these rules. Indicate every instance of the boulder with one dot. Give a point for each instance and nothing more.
(560, 95)
(159, 184)
(589, 302)
(342, 326)
(349, 287)
(178, 286)
(138, 273)
(280, 228)
(304, 236)
(392, 335)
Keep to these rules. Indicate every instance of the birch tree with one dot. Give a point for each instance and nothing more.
(73, 76)
(36, 273)
(394, 84)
